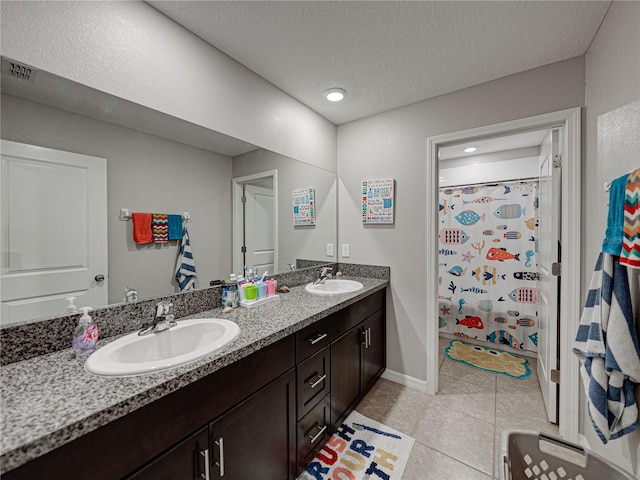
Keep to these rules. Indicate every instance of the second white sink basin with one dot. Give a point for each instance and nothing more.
(188, 341)
(334, 287)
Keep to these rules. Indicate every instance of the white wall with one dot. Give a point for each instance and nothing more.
(145, 173)
(496, 171)
(130, 50)
(612, 73)
(394, 144)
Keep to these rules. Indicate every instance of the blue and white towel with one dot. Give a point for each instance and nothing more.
(185, 266)
(607, 344)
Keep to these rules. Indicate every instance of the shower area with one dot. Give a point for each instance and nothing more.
(488, 248)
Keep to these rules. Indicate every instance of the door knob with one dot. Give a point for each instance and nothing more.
(99, 278)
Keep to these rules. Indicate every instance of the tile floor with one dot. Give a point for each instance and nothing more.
(457, 432)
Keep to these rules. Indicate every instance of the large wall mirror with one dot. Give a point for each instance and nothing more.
(154, 163)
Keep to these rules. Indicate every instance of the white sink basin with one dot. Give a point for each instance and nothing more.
(334, 287)
(188, 341)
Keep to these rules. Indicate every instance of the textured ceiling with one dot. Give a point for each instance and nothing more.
(388, 54)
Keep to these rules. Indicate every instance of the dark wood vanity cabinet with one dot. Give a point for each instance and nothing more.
(189, 460)
(263, 417)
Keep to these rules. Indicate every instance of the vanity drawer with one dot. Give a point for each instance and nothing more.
(312, 339)
(313, 379)
(313, 433)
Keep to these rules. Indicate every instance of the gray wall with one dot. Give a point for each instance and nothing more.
(612, 66)
(132, 51)
(394, 144)
(306, 242)
(145, 173)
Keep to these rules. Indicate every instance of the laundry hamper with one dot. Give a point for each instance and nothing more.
(531, 455)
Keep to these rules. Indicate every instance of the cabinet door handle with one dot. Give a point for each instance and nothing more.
(205, 453)
(317, 435)
(369, 330)
(220, 464)
(316, 339)
(317, 382)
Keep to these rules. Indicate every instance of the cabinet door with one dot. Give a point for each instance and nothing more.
(186, 461)
(373, 350)
(345, 374)
(257, 438)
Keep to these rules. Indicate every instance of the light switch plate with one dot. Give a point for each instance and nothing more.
(345, 250)
(329, 249)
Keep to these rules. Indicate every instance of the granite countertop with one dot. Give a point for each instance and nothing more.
(50, 400)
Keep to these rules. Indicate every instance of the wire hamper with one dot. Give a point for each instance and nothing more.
(532, 455)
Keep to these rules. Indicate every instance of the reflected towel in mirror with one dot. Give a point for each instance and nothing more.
(185, 265)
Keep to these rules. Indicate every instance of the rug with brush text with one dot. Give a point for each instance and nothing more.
(361, 449)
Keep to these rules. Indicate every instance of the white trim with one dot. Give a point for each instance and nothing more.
(236, 228)
(406, 380)
(569, 120)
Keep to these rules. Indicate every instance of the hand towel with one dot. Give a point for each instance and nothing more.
(630, 255)
(612, 243)
(175, 227)
(160, 227)
(607, 345)
(185, 266)
(142, 227)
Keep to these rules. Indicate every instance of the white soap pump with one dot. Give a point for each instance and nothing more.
(85, 336)
(71, 307)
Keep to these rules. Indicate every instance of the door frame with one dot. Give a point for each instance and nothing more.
(237, 220)
(570, 138)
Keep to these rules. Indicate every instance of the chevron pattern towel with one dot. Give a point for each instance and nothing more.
(607, 344)
(630, 255)
(185, 266)
(160, 227)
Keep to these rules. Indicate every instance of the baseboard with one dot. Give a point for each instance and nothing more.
(406, 380)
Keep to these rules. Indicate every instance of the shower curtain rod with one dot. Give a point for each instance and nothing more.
(491, 183)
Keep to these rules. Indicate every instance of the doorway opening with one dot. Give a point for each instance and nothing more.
(255, 233)
(560, 130)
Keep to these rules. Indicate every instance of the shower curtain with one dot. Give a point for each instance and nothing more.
(487, 263)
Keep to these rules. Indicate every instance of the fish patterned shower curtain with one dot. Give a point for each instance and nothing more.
(487, 263)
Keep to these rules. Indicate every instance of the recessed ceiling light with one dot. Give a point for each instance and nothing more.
(470, 149)
(335, 94)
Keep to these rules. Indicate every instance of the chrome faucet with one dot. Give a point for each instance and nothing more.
(325, 273)
(162, 321)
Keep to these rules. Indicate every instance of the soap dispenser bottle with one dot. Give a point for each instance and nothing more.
(71, 307)
(85, 335)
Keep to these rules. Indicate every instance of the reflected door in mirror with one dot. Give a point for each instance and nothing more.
(54, 233)
(259, 231)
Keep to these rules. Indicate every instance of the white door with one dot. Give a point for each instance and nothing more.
(259, 225)
(548, 253)
(53, 241)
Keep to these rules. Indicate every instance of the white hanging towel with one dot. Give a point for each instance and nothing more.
(607, 344)
(185, 266)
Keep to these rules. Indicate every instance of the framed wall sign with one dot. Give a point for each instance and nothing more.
(304, 206)
(377, 201)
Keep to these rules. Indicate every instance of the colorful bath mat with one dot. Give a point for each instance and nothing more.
(361, 449)
(489, 360)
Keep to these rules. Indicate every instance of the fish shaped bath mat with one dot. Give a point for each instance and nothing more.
(361, 449)
(488, 359)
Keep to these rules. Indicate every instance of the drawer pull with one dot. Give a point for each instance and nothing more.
(206, 474)
(317, 382)
(220, 464)
(318, 337)
(313, 438)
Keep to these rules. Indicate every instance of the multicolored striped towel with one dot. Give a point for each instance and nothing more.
(630, 254)
(185, 266)
(160, 227)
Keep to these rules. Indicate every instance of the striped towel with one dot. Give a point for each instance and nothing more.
(160, 227)
(185, 266)
(607, 345)
(630, 255)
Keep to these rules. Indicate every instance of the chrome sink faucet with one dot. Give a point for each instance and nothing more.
(162, 321)
(326, 272)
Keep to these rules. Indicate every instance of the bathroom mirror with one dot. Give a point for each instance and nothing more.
(161, 164)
